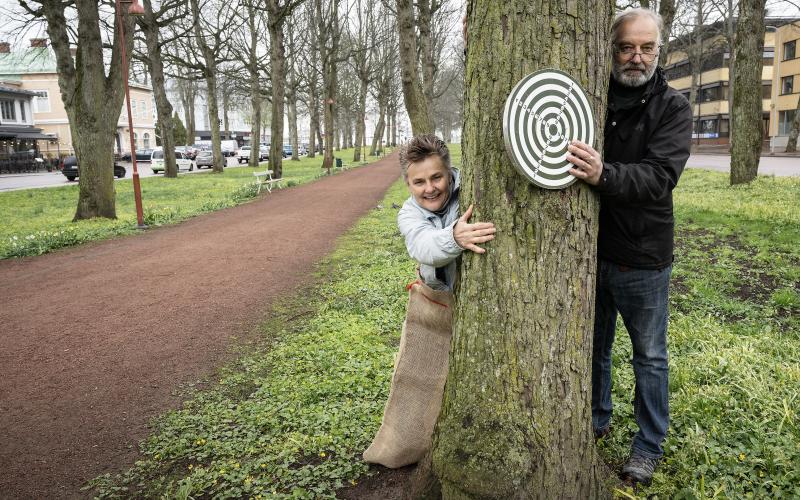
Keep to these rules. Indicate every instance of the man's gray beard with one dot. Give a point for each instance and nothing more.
(618, 71)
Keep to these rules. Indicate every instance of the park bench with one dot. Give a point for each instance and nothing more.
(264, 179)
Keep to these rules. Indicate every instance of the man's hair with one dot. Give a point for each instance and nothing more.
(631, 14)
(421, 147)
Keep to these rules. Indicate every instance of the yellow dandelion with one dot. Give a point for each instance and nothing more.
(222, 471)
(263, 466)
(322, 453)
(191, 466)
(236, 465)
(741, 456)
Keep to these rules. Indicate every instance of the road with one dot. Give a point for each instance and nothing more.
(12, 182)
(780, 166)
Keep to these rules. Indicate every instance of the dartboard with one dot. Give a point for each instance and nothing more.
(543, 112)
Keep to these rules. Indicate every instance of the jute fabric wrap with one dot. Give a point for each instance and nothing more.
(420, 371)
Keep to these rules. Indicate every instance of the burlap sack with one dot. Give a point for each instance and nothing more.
(420, 370)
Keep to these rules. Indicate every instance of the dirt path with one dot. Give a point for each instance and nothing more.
(94, 339)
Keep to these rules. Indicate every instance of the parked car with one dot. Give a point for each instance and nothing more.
(141, 155)
(204, 159)
(188, 151)
(159, 165)
(287, 150)
(244, 154)
(69, 167)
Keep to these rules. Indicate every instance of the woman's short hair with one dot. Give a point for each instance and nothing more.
(421, 147)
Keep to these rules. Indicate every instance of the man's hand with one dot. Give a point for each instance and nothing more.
(469, 235)
(587, 161)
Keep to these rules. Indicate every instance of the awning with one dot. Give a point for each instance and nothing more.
(35, 135)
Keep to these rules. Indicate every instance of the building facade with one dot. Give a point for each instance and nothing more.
(34, 69)
(23, 147)
(713, 97)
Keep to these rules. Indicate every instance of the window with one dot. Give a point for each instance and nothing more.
(133, 108)
(22, 113)
(708, 127)
(789, 50)
(142, 109)
(766, 91)
(785, 119)
(41, 103)
(724, 128)
(710, 94)
(146, 141)
(787, 84)
(135, 140)
(8, 110)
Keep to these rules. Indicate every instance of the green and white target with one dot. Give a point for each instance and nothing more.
(543, 113)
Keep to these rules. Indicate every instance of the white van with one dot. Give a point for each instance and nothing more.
(157, 161)
(229, 148)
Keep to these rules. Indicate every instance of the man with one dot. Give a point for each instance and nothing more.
(647, 137)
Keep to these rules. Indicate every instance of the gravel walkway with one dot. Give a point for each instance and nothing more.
(95, 339)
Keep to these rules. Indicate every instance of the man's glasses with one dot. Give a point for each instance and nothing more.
(628, 52)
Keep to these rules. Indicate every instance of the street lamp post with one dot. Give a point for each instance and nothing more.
(134, 9)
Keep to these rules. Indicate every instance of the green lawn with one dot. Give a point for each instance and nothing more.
(37, 221)
(291, 417)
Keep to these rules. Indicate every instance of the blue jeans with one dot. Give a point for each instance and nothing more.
(641, 298)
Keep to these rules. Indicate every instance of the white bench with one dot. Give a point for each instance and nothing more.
(264, 179)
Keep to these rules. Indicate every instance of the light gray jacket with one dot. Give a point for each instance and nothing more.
(429, 239)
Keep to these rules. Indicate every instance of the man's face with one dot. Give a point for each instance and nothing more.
(429, 181)
(636, 52)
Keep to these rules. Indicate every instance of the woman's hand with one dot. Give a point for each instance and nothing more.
(469, 235)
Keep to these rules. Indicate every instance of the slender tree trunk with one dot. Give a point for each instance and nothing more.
(226, 103)
(213, 118)
(361, 112)
(163, 107)
(747, 123)
(516, 415)
(312, 134)
(378, 134)
(666, 8)
(419, 112)
(187, 91)
(278, 65)
(291, 108)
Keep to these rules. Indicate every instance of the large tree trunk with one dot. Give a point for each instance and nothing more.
(88, 95)
(278, 66)
(163, 107)
(746, 123)
(419, 112)
(516, 415)
(255, 87)
(361, 116)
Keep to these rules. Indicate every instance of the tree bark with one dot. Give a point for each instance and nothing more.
(378, 134)
(187, 91)
(666, 9)
(277, 59)
(150, 28)
(419, 112)
(516, 415)
(255, 87)
(291, 107)
(746, 124)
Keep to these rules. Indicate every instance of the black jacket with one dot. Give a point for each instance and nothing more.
(646, 147)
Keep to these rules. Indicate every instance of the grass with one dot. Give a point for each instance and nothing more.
(38, 221)
(291, 417)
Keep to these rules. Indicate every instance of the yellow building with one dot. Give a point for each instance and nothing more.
(34, 69)
(711, 106)
(786, 83)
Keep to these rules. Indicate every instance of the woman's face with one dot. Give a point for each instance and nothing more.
(429, 181)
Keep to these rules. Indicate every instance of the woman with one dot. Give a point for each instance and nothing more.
(435, 235)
